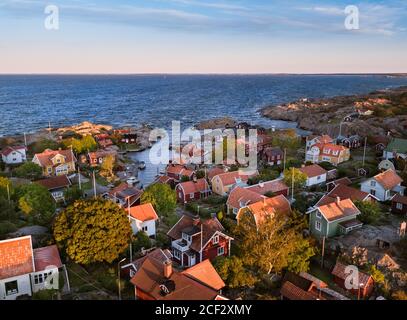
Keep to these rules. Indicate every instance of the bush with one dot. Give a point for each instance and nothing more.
(7, 227)
(162, 241)
(29, 170)
(141, 241)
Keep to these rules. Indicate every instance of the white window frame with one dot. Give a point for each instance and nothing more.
(216, 239)
(177, 254)
(221, 251)
(399, 206)
(318, 226)
(192, 195)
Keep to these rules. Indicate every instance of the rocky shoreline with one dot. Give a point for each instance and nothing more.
(371, 114)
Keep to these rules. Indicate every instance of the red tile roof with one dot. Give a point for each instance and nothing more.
(274, 186)
(45, 157)
(201, 185)
(229, 178)
(339, 209)
(7, 150)
(292, 292)
(241, 197)
(313, 171)
(150, 276)
(53, 183)
(343, 192)
(268, 207)
(144, 212)
(164, 179)
(16, 257)
(329, 147)
(400, 199)
(209, 228)
(388, 179)
(339, 271)
(180, 170)
(205, 273)
(214, 172)
(47, 257)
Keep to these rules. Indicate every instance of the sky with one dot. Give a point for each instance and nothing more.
(199, 36)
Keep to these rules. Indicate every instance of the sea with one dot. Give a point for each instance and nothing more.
(30, 102)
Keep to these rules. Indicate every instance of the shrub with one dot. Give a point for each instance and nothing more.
(7, 227)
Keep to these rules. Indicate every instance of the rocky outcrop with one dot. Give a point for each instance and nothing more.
(217, 123)
(362, 111)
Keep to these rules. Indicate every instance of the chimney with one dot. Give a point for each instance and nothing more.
(167, 269)
(194, 178)
(338, 200)
(261, 184)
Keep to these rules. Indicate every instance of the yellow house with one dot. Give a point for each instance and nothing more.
(55, 162)
(332, 153)
(223, 183)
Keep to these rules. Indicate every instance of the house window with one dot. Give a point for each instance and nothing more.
(145, 228)
(11, 287)
(318, 225)
(191, 195)
(38, 279)
(215, 239)
(373, 183)
(186, 237)
(221, 251)
(49, 170)
(177, 254)
(319, 178)
(319, 216)
(399, 206)
(373, 192)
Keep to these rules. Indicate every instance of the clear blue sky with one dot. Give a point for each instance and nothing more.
(203, 36)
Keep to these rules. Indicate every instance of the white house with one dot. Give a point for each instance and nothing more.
(315, 175)
(384, 185)
(24, 270)
(14, 155)
(143, 218)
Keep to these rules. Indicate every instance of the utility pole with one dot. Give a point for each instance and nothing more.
(79, 179)
(94, 184)
(131, 246)
(323, 252)
(364, 152)
(292, 185)
(25, 139)
(285, 157)
(8, 193)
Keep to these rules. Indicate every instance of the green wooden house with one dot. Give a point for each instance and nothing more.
(333, 219)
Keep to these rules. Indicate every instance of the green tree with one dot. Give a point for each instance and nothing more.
(85, 144)
(29, 170)
(7, 209)
(233, 272)
(92, 231)
(275, 244)
(141, 240)
(162, 198)
(184, 179)
(299, 178)
(107, 166)
(36, 202)
(370, 211)
(88, 143)
(72, 194)
(43, 144)
(6, 188)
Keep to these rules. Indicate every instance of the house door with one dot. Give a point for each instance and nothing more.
(192, 261)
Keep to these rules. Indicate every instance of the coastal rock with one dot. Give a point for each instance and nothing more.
(85, 128)
(372, 114)
(217, 123)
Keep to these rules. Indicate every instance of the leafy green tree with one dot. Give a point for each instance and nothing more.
(85, 144)
(233, 272)
(184, 178)
(43, 144)
(7, 210)
(299, 178)
(88, 143)
(107, 166)
(162, 198)
(200, 174)
(274, 244)
(370, 211)
(92, 231)
(6, 188)
(29, 170)
(141, 240)
(36, 202)
(72, 194)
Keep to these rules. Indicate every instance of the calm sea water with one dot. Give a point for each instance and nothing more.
(27, 103)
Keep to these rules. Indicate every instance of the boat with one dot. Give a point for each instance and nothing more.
(142, 165)
(132, 181)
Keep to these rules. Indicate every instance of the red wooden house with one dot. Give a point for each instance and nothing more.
(192, 190)
(195, 240)
(399, 204)
(177, 171)
(363, 289)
